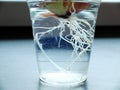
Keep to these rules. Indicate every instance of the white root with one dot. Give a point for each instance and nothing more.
(79, 37)
(40, 46)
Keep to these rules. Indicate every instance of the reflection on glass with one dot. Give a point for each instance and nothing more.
(44, 86)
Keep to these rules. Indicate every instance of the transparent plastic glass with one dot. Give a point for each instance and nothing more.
(63, 32)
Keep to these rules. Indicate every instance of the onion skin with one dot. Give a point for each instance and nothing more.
(64, 8)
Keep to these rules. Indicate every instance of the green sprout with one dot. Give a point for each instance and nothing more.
(58, 7)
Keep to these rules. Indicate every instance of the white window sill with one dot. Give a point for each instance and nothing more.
(103, 1)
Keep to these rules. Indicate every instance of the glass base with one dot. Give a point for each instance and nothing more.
(63, 79)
